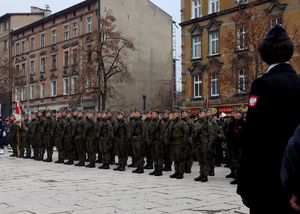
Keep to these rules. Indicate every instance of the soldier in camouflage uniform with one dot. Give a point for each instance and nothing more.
(112, 149)
(167, 123)
(13, 136)
(179, 138)
(39, 136)
(58, 134)
(98, 125)
(157, 140)
(68, 139)
(24, 141)
(138, 145)
(89, 138)
(130, 146)
(189, 150)
(121, 133)
(202, 134)
(79, 141)
(32, 135)
(106, 137)
(146, 138)
(48, 130)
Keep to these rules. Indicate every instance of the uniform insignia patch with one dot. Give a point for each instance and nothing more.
(253, 101)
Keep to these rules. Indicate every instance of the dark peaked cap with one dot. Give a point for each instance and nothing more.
(277, 34)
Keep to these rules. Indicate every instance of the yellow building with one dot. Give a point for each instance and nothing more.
(217, 58)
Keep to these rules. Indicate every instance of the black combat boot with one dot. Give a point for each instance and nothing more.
(27, 156)
(167, 168)
(59, 161)
(48, 160)
(140, 170)
(148, 166)
(105, 166)
(158, 173)
(69, 162)
(153, 172)
(199, 178)
(80, 163)
(174, 175)
(122, 168)
(117, 168)
(204, 179)
(91, 165)
(135, 171)
(211, 173)
(133, 165)
(179, 176)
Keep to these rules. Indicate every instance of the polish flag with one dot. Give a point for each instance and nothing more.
(19, 111)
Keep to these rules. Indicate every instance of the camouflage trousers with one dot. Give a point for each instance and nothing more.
(202, 155)
(178, 156)
(138, 150)
(105, 149)
(157, 153)
(81, 149)
(48, 145)
(69, 149)
(121, 149)
(91, 148)
(60, 148)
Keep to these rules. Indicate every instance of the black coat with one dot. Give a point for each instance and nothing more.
(272, 117)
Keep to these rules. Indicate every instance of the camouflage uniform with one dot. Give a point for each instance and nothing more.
(146, 138)
(12, 137)
(32, 137)
(106, 136)
(212, 148)
(24, 141)
(48, 129)
(167, 123)
(59, 143)
(89, 139)
(189, 150)
(79, 141)
(39, 138)
(98, 127)
(69, 140)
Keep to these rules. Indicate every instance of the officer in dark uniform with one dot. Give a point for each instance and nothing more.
(167, 123)
(79, 141)
(267, 129)
(48, 130)
(89, 138)
(58, 134)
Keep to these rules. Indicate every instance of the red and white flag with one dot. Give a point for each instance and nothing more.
(19, 111)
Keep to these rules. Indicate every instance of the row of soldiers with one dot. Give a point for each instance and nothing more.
(160, 139)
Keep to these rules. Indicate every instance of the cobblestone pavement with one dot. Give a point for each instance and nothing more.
(29, 186)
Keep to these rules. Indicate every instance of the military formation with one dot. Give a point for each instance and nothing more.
(156, 140)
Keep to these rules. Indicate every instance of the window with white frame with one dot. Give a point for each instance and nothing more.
(214, 43)
(32, 91)
(32, 43)
(43, 65)
(42, 90)
(242, 80)
(74, 84)
(24, 47)
(43, 40)
(89, 24)
(196, 8)
(66, 86)
(66, 58)
(242, 39)
(32, 67)
(75, 29)
(22, 94)
(17, 48)
(17, 94)
(66, 32)
(215, 85)
(54, 61)
(53, 36)
(196, 46)
(53, 88)
(197, 86)
(213, 6)
(23, 68)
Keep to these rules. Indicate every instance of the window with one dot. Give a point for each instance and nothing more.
(88, 82)
(42, 90)
(32, 91)
(43, 65)
(66, 86)
(213, 6)
(32, 43)
(196, 8)
(5, 45)
(75, 29)
(43, 40)
(66, 32)
(214, 43)
(242, 39)
(22, 94)
(197, 86)
(23, 47)
(196, 43)
(54, 62)
(66, 58)
(23, 69)
(74, 57)
(17, 48)
(17, 94)
(32, 67)
(53, 88)
(89, 24)
(214, 85)
(242, 81)
(74, 84)
(53, 37)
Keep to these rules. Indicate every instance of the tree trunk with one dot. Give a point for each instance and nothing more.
(104, 95)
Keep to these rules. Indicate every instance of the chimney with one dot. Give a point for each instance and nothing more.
(47, 11)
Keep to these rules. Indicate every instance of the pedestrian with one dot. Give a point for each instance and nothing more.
(2, 133)
(290, 170)
(267, 129)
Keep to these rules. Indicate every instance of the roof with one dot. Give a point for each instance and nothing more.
(19, 14)
(55, 15)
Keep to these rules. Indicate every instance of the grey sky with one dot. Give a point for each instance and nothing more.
(172, 7)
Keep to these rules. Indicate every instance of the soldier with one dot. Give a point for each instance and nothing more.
(157, 139)
(201, 136)
(24, 141)
(89, 138)
(58, 134)
(68, 139)
(179, 139)
(79, 141)
(99, 123)
(121, 141)
(39, 136)
(131, 122)
(146, 137)
(13, 135)
(138, 145)
(189, 150)
(112, 149)
(48, 130)
(32, 135)
(167, 150)
(106, 137)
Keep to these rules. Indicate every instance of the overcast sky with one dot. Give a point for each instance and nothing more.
(172, 7)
